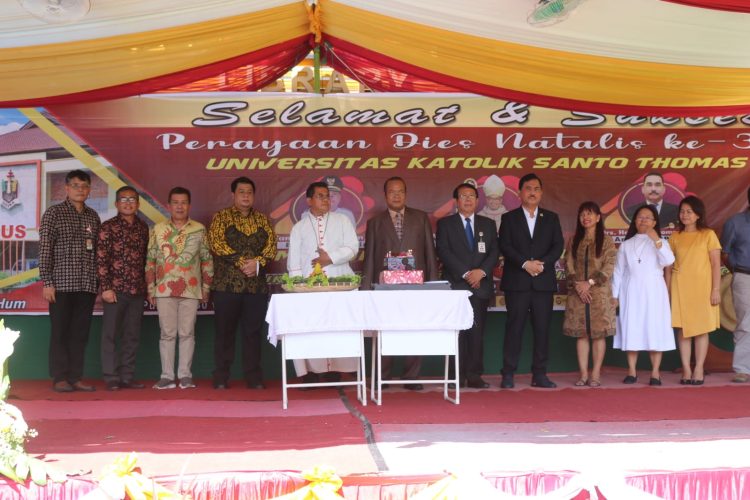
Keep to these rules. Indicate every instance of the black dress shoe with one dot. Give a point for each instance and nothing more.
(80, 386)
(543, 382)
(654, 381)
(256, 385)
(221, 385)
(507, 382)
(630, 380)
(413, 387)
(686, 381)
(62, 386)
(477, 383)
(131, 384)
(696, 382)
(113, 385)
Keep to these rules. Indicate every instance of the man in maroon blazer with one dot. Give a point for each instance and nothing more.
(399, 229)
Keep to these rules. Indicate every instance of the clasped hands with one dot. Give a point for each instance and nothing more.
(323, 258)
(534, 267)
(474, 277)
(583, 289)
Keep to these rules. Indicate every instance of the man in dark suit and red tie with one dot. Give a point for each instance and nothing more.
(467, 247)
(397, 230)
(531, 241)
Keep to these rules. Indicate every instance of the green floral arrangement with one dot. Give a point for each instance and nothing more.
(318, 278)
(15, 464)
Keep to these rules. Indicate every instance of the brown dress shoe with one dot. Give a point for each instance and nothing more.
(80, 386)
(62, 386)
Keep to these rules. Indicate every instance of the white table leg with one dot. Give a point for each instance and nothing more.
(373, 365)
(379, 399)
(283, 374)
(361, 374)
(456, 376)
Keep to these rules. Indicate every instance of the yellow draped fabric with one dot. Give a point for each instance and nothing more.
(323, 485)
(534, 70)
(64, 68)
(123, 478)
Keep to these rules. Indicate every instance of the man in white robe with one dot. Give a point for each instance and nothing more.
(329, 239)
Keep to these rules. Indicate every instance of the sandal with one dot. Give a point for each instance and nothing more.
(581, 382)
(595, 382)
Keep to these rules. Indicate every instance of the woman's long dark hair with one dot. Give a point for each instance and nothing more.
(589, 206)
(632, 231)
(699, 208)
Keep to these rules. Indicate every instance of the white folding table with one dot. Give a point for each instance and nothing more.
(298, 320)
(406, 322)
(424, 323)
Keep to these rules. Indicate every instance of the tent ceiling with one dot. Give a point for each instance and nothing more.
(651, 55)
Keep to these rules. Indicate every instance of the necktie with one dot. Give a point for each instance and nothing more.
(398, 224)
(469, 233)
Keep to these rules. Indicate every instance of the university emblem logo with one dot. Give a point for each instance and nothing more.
(10, 189)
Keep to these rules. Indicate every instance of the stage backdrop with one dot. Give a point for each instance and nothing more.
(285, 141)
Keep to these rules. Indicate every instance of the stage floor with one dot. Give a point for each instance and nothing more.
(615, 428)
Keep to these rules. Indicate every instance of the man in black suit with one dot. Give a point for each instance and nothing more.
(531, 242)
(399, 229)
(467, 246)
(653, 194)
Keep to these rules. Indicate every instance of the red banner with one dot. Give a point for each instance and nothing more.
(284, 142)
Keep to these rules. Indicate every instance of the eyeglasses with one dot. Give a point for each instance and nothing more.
(468, 196)
(127, 199)
(79, 186)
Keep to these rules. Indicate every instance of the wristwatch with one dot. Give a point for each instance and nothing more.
(592, 282)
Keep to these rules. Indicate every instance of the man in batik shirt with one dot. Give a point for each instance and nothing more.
(179, 269)
(243, 244)
(67, 268)
(121, 261)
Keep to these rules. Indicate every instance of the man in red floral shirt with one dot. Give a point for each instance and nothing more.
(179, 269)
(121, 265)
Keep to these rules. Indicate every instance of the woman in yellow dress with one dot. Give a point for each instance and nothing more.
(694, 282)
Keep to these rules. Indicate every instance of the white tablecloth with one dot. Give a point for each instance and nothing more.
(292, 313)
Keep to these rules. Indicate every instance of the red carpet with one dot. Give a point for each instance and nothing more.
(189, 435)
(42, 389)
(600, 405)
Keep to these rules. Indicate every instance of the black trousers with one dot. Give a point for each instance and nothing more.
(471, 343)
(70, 316)
(410, 368)
(519, 305)
(121, 327)
(248, 310)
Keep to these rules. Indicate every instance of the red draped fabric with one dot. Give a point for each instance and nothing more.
(704, 483)
(250, 71)
(253, 76)
(377, 76)
(730, 5)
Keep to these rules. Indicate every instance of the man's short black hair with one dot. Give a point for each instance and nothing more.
(310, 192)
(77, 174)
(395, 178)
(124, 189)
(178, 190)
(242, 180)
(465, 185)
(528, 178)
(651, 174)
